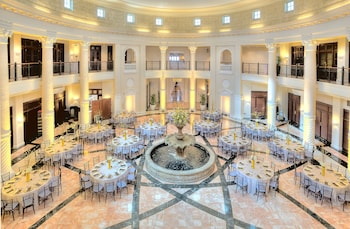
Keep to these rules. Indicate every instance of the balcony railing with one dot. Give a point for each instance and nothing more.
(153, 65)
(178, 65)
(255, 68)
(100, 66)
(202, 66)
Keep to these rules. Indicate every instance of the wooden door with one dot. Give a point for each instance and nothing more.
(323, 122)
(346, 120)
(294, 109)
(259, 100)
(95, 57)
(58, 58)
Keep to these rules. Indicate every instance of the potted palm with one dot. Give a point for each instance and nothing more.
(152, 102)
(203, 102)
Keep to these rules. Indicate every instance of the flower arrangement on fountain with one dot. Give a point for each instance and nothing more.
(180, 118)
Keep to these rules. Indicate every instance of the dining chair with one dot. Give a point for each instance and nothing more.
(241, 184)
(261, 189)
(43, 195)
(313, 189)
(56, 182)
(97, 188)
(85, 184)
(274, 183)
(9, 206)
(344, 198)
(232, 173)
(28, 201)
(87, 168)
(68, 157)
(56, 160)
(131, 178)
(122, 184)
(327, 194)
(110, 188)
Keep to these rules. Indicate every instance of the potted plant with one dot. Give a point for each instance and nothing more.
(152, 102)
(203, 102)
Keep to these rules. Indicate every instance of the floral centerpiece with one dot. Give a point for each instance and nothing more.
(180, 118)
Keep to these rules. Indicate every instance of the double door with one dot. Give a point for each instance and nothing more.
(294, 109)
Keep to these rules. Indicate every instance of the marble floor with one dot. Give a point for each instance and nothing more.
(150, 203)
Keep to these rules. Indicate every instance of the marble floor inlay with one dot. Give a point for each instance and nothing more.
(213, 202)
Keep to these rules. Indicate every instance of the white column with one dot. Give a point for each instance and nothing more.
(5, 101)
(117, 63)
(310, 85)
(84, 84)
(337, 113)
(162, 80)
(271, 86)
(48, 114)
(193, 79)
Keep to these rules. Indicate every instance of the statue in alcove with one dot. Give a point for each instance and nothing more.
(176, 95)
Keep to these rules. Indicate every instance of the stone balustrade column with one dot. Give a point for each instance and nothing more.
(310, 84)
(48, 105)
(84, 84)
(271, 85)
(193, 79)
(5, 33)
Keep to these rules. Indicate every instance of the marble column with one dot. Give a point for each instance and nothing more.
(310, 84)
(162, 80)
(5, 33)
(193, 79)
(271, 85)
(84, 85)
(48, 113)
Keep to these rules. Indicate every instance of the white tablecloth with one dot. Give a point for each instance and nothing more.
(98, 131)
(100, 173)
(125, 146)
(211, 115)
(332, 179)
(58, 149)
(261, 172)
(17, 186)
(228, 141)
(125, 118)
(147, 129)
(293, 147)
(256, 130)
(207, 127)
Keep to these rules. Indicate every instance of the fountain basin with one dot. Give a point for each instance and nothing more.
(162, 162)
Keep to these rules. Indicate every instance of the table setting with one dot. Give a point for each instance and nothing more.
(253, 171)
(110, 170)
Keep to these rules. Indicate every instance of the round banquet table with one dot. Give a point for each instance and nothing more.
(262, 172)
(332, 179)
(206, 127)
(211, 115)
(147, 129)
(126, 145)
(229, 141)
(100, 173)
(125, 118)
(256, 130)
(294, 147)
(97, 131)
(17, 186)
(58, 149)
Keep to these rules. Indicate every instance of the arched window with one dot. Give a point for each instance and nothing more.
(130, 56)
(226, 57)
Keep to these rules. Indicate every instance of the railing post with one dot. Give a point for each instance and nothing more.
(78, 67)
(342, 75)
(15, 71)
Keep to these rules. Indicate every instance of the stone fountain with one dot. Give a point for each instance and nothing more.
(179, 159)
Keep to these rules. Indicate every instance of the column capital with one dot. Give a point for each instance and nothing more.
(84, 44)
(192, 49)
(4, 35)
(270, 45)
(310, 45)
(163, 48)
(49, 39)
